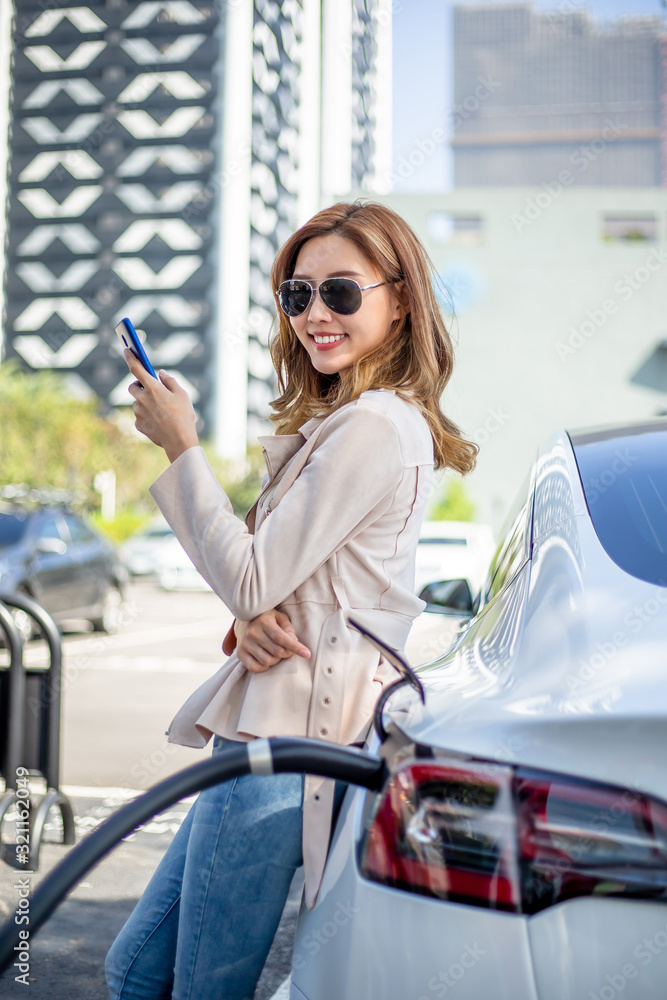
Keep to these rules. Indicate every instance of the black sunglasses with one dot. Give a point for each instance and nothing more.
(341, 295)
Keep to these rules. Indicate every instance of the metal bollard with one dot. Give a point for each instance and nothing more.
(12, 710)
(44, 759)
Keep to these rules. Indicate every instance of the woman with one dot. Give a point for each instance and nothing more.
(362, 357)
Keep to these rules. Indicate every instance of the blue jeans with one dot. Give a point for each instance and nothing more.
(205, 924)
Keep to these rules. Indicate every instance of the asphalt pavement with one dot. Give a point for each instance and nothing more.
(119, 694)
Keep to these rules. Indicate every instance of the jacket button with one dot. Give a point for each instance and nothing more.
(327, 701)
(323, 732)
(329, 670)
(333, 638)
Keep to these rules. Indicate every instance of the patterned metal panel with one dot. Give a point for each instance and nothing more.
(274, 180)
(364, 73)
(111, 152)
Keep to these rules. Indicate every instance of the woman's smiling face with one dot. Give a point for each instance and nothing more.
(335, 256)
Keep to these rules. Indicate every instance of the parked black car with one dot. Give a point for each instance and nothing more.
(49, 553)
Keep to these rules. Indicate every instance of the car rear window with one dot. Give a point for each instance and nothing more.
(12, 529)
(625, 483)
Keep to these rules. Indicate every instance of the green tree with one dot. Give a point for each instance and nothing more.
(452, 503)
(48, 438)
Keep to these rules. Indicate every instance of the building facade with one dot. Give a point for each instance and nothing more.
(542, 93)
(160, 152)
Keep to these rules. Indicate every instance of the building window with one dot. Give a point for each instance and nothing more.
(462, 230)
(629, 228)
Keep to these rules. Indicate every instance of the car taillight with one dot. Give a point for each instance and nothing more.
(513, 839)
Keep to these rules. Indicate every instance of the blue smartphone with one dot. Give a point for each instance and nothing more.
(129, 338)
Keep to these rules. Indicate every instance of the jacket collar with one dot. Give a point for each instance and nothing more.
(309, 426)
(280, 448)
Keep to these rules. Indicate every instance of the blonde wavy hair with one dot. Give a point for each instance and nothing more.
(415, 359)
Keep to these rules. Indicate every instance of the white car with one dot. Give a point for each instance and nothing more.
(449, 549)
(156, 551)
(176, 571)
(518, 850)
(141, 553)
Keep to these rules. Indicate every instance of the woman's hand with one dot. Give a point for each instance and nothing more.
(266, 640)
(162, 409)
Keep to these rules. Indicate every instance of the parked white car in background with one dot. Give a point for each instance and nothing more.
(518, 850)
(451, 549)
(447, 550)
(142, 552)
(156, 551)
(177, 570)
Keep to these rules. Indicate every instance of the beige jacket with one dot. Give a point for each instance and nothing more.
(334, 528)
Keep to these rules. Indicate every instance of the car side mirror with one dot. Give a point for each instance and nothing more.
(53, 546)
(449, 597)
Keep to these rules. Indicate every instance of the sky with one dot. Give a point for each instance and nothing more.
(423, 86)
